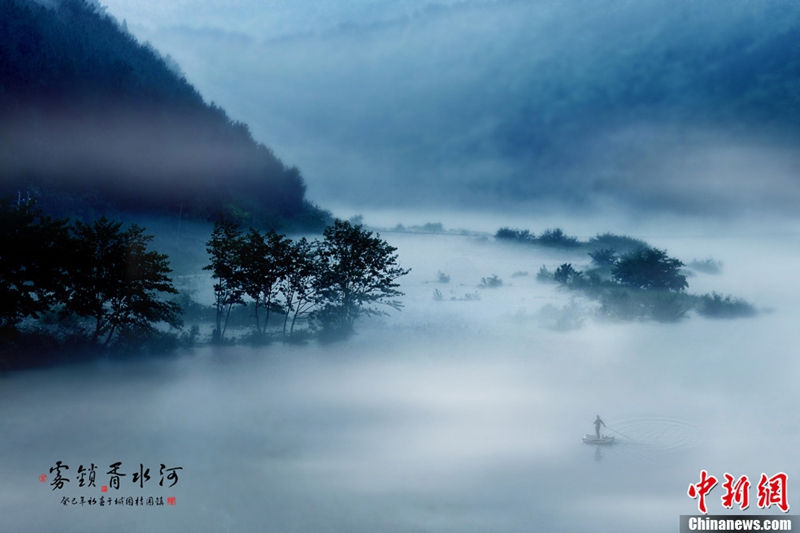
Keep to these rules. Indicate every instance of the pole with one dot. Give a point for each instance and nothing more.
(608, 428)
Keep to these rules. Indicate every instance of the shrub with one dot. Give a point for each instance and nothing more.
(633, 304)
(566, 318)
(491, 283)
(621, 243)
(468, 297)
(189, 338)
(557, 238)
(706, 266)
(714, 305)
(518, 235)
(545, 276)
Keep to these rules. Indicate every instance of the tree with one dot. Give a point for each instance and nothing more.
(603, 257)
(565, 274)
(300, 286)
(649, 268)
(358, 272)
(265, 261)
(116, 281)
(225, 248)
(32, 272)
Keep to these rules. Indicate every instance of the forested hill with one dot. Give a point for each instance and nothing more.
(727, 64)
(90, 117)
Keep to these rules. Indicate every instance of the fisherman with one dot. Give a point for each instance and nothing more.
(597, 424)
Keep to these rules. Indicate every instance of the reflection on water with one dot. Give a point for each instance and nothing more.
(447, 417)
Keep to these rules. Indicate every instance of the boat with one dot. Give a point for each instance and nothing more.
(592, 439)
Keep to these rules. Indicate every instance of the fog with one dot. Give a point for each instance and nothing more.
(464, 411)
(449, 415)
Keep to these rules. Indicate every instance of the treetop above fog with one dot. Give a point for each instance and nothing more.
(96, 271)
(335, 280)
(650, 268)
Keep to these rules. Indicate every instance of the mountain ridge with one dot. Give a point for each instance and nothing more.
(91, 117)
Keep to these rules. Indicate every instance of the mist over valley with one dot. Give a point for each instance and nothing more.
(365, 266)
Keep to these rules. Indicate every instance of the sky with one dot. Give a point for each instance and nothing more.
(498, 106)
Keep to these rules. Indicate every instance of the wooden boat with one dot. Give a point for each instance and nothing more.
(592, 439)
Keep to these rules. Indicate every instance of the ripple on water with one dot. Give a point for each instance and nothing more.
(654, 440)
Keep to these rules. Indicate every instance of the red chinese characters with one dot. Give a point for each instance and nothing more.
(700, 490)
(738, 492)
(773, 491)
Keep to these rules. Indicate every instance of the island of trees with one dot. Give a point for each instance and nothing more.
(332, 281)
(629, 278)
(76, 289)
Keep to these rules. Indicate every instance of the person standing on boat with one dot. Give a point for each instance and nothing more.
(597, 424)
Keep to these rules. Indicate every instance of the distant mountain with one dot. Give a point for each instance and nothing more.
(90, 117)
(690, 106)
